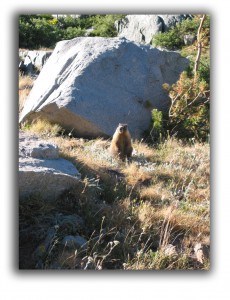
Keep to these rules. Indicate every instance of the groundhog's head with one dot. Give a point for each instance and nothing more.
(122, 127)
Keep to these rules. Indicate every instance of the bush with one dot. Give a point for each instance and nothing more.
(157, 124)
(72, 32)
(189, 111)
(37, 31)
(174, 38)
(171, 40)
(104, 25)
(188, 115)
(83, 22)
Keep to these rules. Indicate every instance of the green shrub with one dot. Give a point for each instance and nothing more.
(37, 31)
(170, 40)
(104, 25)
(72, 32)
(69, 21)
(157, 117)
(157, 125)
(189, 111)
(174, 38)
(188, 115)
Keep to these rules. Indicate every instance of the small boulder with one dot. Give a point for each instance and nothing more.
(189, 39)
(41, 172)
(201, 252)
(77, 241)
(170, 250)
(32, 61)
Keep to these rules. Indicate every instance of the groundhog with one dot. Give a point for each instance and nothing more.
(121, 145)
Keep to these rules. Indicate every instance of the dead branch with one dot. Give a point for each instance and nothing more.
(199, 46)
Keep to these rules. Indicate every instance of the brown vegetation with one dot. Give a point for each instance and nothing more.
(25, 85)
(137, 209)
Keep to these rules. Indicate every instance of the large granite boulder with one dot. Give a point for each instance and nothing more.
(42, 172)
(90, 84)
(142, 28)
(139, 28)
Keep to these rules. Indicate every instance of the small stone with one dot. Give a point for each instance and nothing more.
(199, 252)
(74, 241)
(170, 250)
(189, 39)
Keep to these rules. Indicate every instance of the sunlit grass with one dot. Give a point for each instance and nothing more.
(135, 210)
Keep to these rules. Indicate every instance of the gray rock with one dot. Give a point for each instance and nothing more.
(22, 67)
(139, 28)
(189, 39)
(33, 60)
(89, 30)
(35, 148)
(171, 20)
(77, 241)
(47, 151)
(42, 249)
(28, 66)
(39, 58)
(47, 176)
(90, 84)
(71, 222)
(201, 252)
(170, 250)
(142, 28)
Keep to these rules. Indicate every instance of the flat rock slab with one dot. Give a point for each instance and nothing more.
(42, 172)
(31, 146)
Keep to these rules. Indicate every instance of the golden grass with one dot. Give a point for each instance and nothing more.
(44, 128)
(155, 193)
(25, 81)
(143, 149)
(135, 175)
(25, 84)
(22, 94)
(160, 197)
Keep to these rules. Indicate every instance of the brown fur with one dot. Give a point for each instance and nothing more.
(121, 145)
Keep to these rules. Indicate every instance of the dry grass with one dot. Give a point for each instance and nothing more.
(137, 208)
(44, 128)
(25, 85)
(25, 81)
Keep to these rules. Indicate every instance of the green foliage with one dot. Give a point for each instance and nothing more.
(36, 31)
(104, 25)
(170, 40)
(158, 125)
(189, 111)
(157, 117)
(174, 38)
(72, 32)
(83, 22)
(40, 30)
(191, 52)
(204, 66)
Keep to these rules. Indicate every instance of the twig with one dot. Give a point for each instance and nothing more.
(199, 46)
